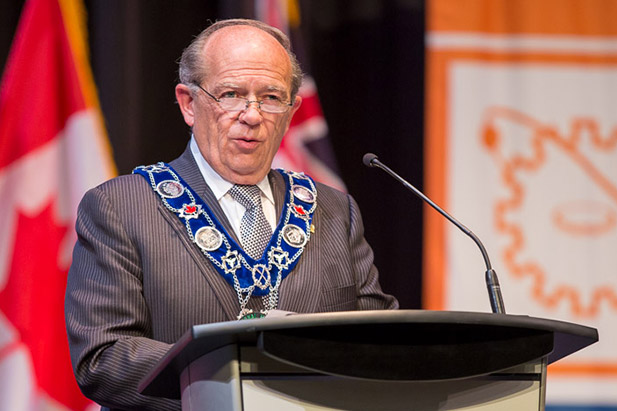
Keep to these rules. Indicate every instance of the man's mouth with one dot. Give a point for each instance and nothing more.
(246, 143)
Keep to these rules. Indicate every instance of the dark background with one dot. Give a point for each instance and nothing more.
(366, 56)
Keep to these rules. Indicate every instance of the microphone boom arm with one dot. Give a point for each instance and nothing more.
(492, 282)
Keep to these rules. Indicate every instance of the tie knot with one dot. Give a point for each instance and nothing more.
(247, 195)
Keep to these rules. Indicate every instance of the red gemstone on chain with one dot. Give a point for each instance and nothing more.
(300, 210)
(190, 209)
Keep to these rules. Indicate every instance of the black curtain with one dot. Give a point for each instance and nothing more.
(366, 56)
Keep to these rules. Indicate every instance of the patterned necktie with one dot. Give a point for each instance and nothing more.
(255, 231)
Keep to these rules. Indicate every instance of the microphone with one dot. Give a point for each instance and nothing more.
(492, 282)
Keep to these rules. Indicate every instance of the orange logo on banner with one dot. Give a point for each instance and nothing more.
(577, 217)
(484, 75)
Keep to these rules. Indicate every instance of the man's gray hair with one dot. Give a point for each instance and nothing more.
(191, 70)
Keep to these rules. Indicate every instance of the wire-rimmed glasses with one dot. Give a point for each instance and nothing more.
(274, 105)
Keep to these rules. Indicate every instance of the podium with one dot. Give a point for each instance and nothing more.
(367, 360)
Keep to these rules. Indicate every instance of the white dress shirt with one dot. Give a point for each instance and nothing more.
(220, 187)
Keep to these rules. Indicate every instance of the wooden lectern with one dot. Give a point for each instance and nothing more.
(367, 360)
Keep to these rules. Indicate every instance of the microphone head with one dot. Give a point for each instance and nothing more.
(368, 159)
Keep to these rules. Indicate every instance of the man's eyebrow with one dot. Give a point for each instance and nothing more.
(276, 88)
(227, 85)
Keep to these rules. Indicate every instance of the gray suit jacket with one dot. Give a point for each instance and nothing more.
(137, 282)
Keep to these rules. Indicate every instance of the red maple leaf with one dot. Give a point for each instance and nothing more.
(33, 301)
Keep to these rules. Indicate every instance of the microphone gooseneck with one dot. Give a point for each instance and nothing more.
(492, 282)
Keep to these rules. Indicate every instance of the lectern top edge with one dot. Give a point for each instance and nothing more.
(201, 339)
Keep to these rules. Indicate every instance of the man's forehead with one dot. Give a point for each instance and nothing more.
(236, 47)
(230, 36)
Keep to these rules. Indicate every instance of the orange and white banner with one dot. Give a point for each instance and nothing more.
(521, 146)
(52, 149)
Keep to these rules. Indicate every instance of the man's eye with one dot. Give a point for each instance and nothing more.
(229, 94)
(272, 97)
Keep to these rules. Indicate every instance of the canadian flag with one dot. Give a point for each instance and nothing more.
(53, 148)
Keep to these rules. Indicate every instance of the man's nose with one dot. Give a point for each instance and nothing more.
(252, 113)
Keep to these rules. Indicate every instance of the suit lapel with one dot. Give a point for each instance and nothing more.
(278, 191)
(187, 168)
(300, 291)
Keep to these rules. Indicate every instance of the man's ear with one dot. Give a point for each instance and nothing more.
(184, 97)
(296, 106)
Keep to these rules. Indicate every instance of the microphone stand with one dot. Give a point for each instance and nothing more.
(492, 282)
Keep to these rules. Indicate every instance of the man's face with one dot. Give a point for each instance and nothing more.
(240, 61)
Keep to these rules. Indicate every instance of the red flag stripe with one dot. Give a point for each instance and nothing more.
(30, 114)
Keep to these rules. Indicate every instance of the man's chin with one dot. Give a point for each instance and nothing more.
(246, 176)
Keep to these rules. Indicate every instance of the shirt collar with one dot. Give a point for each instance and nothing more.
(218, 184)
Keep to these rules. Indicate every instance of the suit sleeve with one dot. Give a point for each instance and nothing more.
(369, 293)
(107, 319)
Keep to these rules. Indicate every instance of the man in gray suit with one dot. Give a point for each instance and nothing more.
(215, 235)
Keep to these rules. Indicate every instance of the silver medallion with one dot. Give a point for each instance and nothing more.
(302, 193)
(170, 189)
(230, 262)
(261, 276)
(208, 238)
(294, 236)
(278, 258)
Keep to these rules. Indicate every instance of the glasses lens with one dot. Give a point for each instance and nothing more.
(239, 104)
(232, 104)
(273, 106)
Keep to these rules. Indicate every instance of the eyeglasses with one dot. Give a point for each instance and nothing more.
(274, 105)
